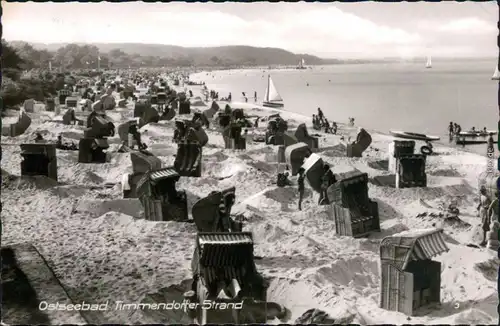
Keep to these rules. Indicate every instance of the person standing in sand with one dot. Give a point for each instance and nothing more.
(320, 115)
(300, 182)
(493, 209)
(451, 129)
(483, 207)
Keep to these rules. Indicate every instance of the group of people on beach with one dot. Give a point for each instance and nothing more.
(327, 180)
(455, 129)
(320, 122)
(245, 97)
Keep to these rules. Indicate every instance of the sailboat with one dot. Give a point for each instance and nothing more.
(302, 64)
(496, 74)
(272, 99)
(429, 62)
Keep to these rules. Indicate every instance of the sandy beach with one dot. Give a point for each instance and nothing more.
(103, 251)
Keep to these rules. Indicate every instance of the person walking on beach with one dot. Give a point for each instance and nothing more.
(493, 208)
(255, 96)
(327, 180)
(229, 97)
(484, 205)
(300, 182)
(490, 215)
(320, 114)
(451, 129)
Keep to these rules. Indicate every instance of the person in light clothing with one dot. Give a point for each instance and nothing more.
(483, 207)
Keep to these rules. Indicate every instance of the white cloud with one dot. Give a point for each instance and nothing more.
(470, 25)
(327, 32)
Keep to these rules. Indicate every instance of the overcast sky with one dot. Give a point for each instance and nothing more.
(346, 30)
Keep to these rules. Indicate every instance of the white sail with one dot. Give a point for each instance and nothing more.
(429, 62)
(496, 74)
(303, 62)
(271, 91)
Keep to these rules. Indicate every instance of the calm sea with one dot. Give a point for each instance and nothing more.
(396, 96)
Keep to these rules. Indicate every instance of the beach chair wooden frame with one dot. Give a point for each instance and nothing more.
(409, 278)
(141, 105)
(206, 212)
(355, 214)
(184, 107)
(410, 171)
(71, 102)
(295, 156)
(302, 135)
(149, 115)
(356, 148)
(397, 149)
(39, 159)
(91, 150)
(160, 198)
(189, 158)
(225, 261)
(144, 161)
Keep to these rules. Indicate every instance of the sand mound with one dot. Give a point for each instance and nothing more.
(334, 151)
(450, 172)
(264, 167)
(269, 233)
(217, 156)
(489, 269)
(299, 297)
(72, 135)
(382, 165)
(316, 316)
(28, 182)
(82, 176)
(197, 101)
(356, 273)
(172, 293)
(96, 208)
(68, 191)
(467, 317)
(282, 195)
(227, 169)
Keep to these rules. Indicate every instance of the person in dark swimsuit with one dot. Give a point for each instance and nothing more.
(301, 186)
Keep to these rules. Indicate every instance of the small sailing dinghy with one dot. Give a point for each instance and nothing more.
(272, 99)
(428, 64)
(302, 64)
(496, 74)
(413, 136)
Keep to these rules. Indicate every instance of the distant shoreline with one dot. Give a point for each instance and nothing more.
(442, 142)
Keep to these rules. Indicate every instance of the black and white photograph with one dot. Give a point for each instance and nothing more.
(250, 163)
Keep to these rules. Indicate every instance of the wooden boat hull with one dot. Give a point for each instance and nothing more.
(414, 136)
(471, 142)
(477, 134)
(273, 104)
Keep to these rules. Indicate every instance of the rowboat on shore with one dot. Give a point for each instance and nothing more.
(477, 133)
(413, 136)
(465, 141)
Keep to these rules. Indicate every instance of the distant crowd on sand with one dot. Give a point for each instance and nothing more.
(215, 96)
